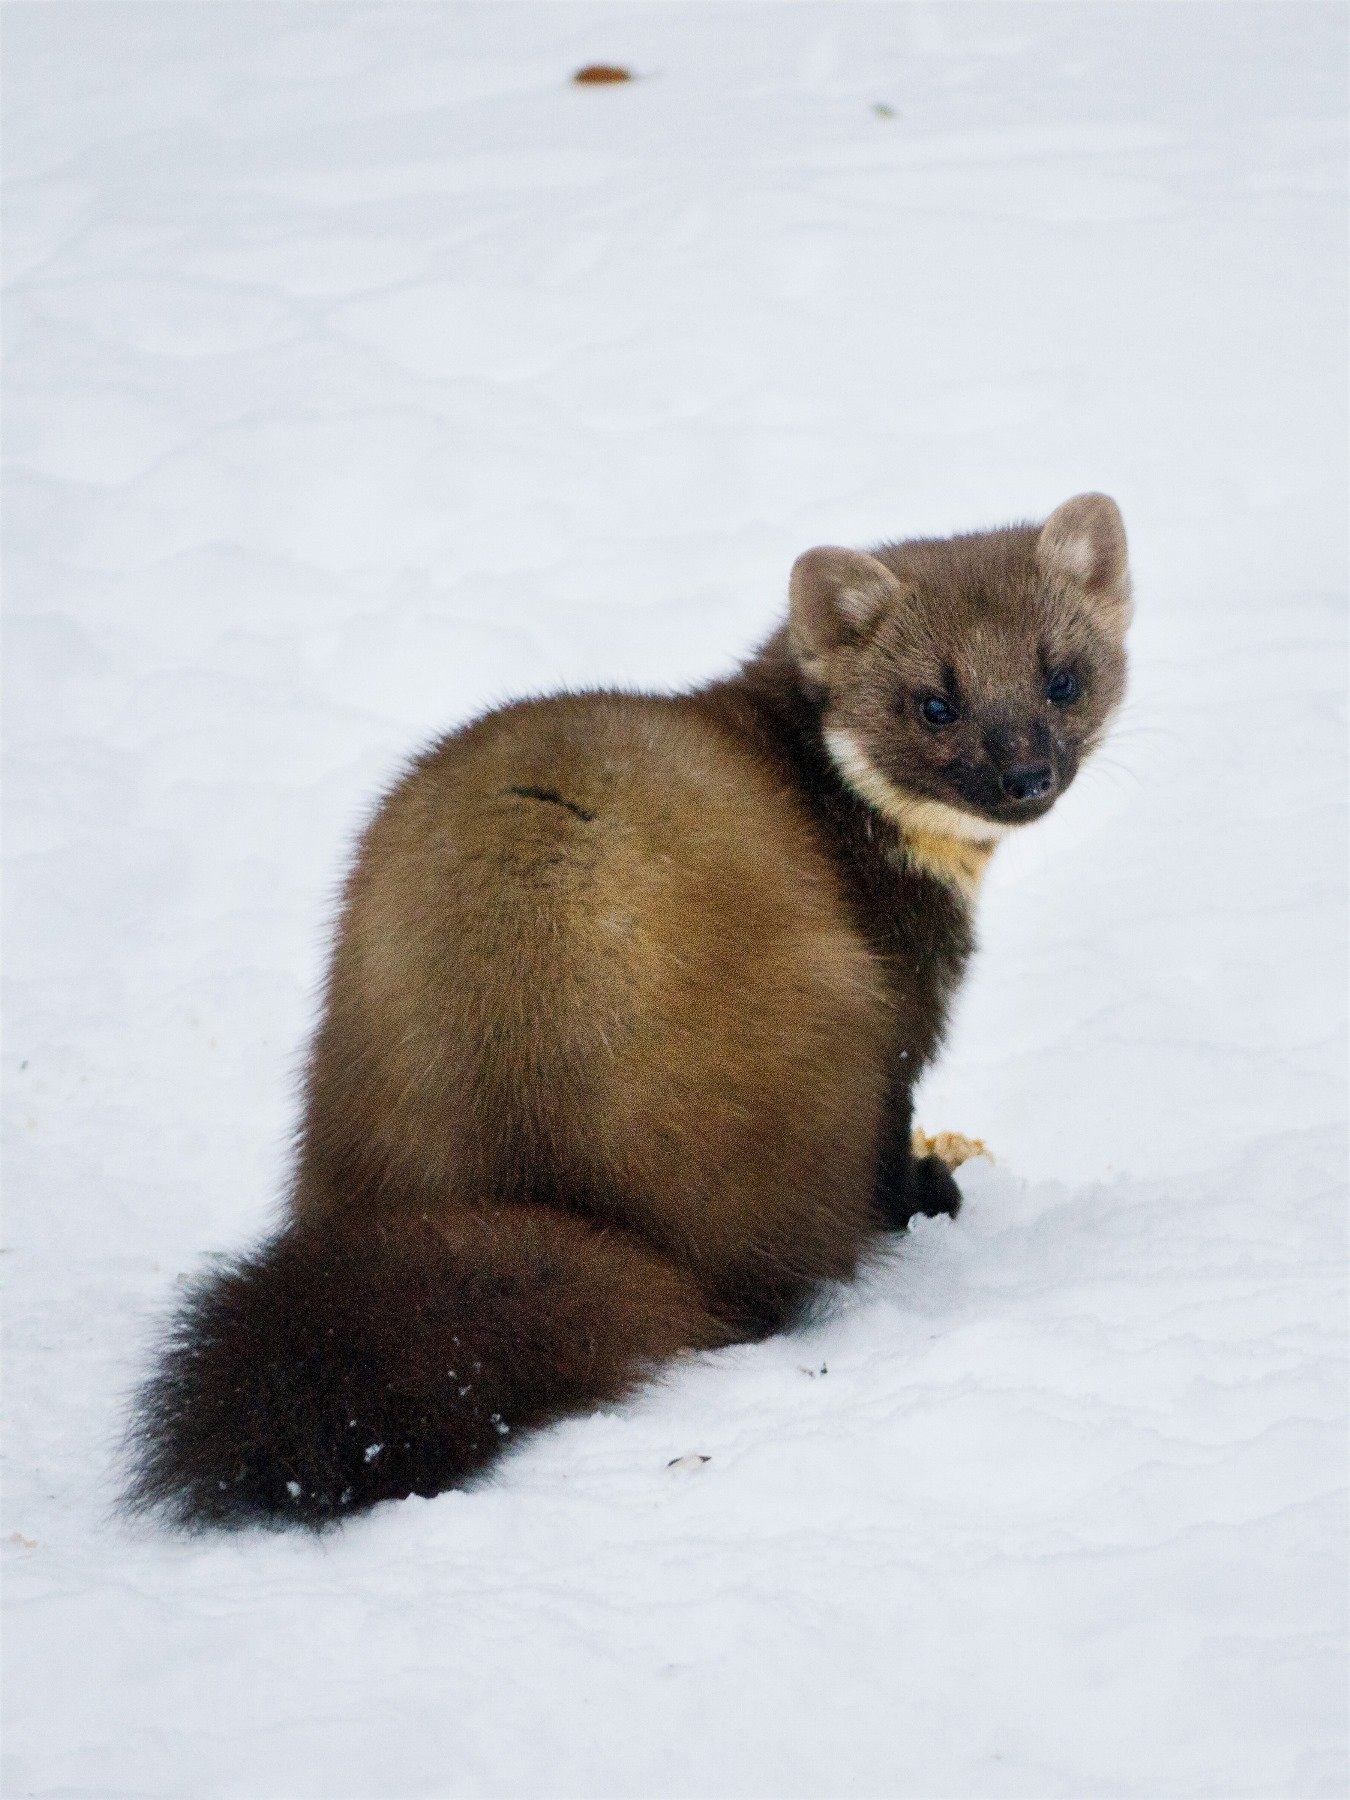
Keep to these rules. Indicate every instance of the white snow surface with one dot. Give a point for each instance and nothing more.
(363, 372)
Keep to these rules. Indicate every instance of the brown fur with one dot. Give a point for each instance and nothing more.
(628, 997)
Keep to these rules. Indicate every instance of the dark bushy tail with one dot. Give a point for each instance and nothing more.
(357, 1360)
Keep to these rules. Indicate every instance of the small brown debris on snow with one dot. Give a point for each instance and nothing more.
(601, 74)
(949, 1147)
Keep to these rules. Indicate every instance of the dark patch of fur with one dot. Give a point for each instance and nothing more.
(547, 794)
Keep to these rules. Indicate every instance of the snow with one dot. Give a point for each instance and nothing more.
(361, 372)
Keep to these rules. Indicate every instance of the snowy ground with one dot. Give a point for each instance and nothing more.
(362, 372)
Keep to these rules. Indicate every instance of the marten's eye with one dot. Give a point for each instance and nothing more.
(1062, 689)
(938, 711)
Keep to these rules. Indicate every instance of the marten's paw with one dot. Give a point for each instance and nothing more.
(925, 1185)
(932, 1189)
(949, 1147)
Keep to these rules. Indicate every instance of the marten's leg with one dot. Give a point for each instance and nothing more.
(908, 1184)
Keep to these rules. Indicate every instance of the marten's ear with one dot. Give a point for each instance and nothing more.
(1083, 541)
(835, 596)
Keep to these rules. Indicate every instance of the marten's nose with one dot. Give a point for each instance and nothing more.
(1032, 782)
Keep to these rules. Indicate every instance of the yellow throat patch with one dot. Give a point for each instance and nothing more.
(940, 840)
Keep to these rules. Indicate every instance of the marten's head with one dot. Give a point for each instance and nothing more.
(963, 680)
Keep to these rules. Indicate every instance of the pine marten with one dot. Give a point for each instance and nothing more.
(627, 1003)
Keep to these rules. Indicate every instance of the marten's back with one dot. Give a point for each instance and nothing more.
(593, 953)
